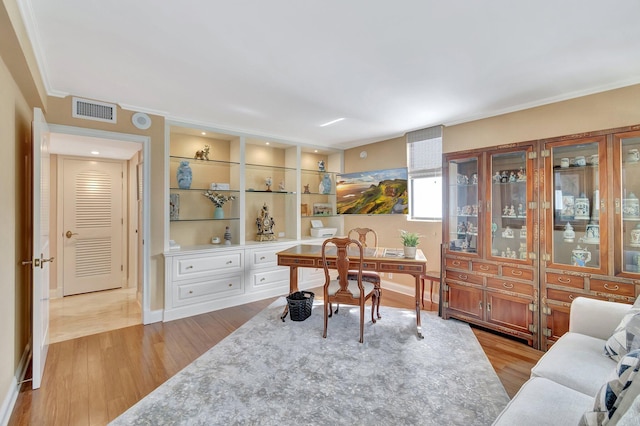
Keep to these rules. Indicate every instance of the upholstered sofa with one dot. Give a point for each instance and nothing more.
(574, 379)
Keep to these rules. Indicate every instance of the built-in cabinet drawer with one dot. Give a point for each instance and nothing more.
(270, 278)
(205, 290)
(197, 266)
(261, 258)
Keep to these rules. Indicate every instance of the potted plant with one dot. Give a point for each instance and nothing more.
(410, 241)
(218, 200)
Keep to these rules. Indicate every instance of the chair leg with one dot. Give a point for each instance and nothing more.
(374, 298)
(379, 296)
(326, 319)
(331, 310)
(361, 322)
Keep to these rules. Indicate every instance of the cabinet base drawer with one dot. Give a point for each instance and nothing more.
(208, 290)
(619, 289)
(565, 280)
(568, 296)
(464, 276)
(270, 278)
(195, 266)
(521, 274)
(512, 286)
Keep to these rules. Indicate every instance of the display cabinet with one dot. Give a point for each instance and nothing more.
(489, 261)
(586, 233)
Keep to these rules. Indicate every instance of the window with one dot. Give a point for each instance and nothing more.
(424, 159)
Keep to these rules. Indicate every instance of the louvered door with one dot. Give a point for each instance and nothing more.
(93, 225)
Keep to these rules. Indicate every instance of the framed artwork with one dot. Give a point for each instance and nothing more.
(374, 192)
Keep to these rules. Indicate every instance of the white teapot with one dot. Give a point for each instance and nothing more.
(580, 256)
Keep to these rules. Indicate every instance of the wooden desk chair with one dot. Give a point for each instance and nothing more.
(342, 290)
(430, 276)
(369, 276)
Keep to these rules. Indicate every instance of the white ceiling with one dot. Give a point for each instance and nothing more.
(281, 68)
(87, 146)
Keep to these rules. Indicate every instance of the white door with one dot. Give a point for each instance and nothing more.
(93, 225)
(40, 260)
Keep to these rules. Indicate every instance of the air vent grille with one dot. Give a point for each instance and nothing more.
(94, 110)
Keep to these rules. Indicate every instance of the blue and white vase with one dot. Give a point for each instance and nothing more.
(184, 175)
(325, 186)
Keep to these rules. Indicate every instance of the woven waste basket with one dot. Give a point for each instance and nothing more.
(300, 304)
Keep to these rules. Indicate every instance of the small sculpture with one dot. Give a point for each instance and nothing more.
(321, 165)
(184, 175)
(281, 186)
(306, 189)
(265, 225)
(227, 236)
(268, 182)
(203, 154)
(497, 177)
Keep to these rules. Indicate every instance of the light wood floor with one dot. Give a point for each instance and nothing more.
(90, 313)
(93, 379)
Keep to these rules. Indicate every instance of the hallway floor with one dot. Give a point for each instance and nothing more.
(91, 313)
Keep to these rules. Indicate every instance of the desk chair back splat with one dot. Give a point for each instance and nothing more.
(373, 277)
(342, 290)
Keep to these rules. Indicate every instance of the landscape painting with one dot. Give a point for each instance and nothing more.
(374, 192)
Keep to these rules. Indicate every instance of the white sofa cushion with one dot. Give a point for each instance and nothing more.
(596, 318)
(613, 392)
(626, 336)
(577, 362)
(541, 402)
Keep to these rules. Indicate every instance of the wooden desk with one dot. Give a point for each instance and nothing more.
(377, 259)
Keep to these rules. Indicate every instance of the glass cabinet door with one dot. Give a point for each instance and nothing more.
(463, 204)
(508, 198)
(627, 148)
(577, 197)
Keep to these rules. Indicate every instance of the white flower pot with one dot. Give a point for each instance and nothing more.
(410, 252)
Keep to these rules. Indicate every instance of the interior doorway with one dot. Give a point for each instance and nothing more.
(92, 309)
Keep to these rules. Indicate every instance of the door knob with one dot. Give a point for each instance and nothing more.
(69, 234)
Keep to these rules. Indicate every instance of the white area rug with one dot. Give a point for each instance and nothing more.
(270, 372)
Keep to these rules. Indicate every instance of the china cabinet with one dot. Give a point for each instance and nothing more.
(556, 219)
(588, 219)
(489, 261)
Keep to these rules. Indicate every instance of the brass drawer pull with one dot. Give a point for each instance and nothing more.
(455, 263)
(516, 272)
(462, 276)
(564, 280)
(571, 297)
(484, 267)
(614, 288)
(507, 285)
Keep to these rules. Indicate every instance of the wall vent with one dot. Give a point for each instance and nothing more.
(94, 110)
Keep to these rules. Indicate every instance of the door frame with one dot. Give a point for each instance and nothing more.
(145, 141)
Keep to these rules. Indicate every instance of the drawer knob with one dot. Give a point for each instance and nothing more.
(612, 288)
(571, 297)
(230, 284)
(229, 262)
(516, 272)
(564, 280)
(456, 263)
(507, 285)
(189, 267)
(190, 291)
(484, 267)
(262, 279)
(262, 258)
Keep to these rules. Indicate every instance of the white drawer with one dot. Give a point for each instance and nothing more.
(268, 278)
(264, 257)
(206, 265)
(210, 289)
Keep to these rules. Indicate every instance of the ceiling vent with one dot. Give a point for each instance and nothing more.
(94, 110)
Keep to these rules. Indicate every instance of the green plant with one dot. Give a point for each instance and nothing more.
(409, 239)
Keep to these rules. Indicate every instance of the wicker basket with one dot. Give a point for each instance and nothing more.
(300, 304)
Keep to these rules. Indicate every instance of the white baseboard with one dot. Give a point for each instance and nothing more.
(9, 400)
(149, 317)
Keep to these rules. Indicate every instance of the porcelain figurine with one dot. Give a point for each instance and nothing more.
(580, 256)
(569, 234)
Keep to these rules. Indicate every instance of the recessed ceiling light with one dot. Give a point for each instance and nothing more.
(315, 150)
(204, 133)
(267, 143)
(95, 152)
(332, 122)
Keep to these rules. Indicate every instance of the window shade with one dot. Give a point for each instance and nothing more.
(424, 149)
